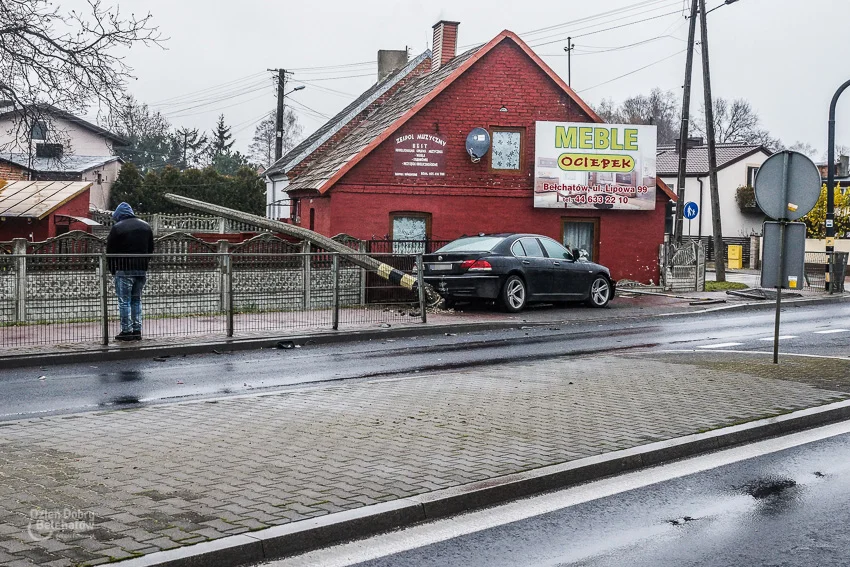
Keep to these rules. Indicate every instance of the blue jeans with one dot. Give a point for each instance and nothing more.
(129, 291)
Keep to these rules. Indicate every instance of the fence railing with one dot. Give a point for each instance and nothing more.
(71, 298)
(815, 270)
(162, 223)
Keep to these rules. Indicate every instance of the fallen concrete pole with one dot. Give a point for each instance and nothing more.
(383, 270)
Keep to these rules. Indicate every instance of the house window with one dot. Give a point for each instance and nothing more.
(38, 131)
(752, 171)
(295, 211)
(506, 154)
(409, 231)
(581, 236)
(312, 218)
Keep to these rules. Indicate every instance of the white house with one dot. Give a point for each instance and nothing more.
(737, 165)
(62, 147)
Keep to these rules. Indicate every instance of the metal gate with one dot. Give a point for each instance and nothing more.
(683, 267)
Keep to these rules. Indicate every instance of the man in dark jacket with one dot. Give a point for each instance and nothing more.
(132, 236)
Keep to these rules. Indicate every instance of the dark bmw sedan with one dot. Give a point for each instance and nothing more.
(514, 270)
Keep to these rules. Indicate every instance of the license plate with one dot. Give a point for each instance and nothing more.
(441, 267)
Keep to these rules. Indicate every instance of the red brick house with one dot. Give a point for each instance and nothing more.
(360, 181)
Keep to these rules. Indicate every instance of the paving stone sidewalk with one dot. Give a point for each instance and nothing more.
(133, 482)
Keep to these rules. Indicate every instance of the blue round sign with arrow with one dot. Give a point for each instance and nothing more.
(691, 210)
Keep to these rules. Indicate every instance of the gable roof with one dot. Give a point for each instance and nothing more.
(404, 104)
(37, 199)
(667, 163)
(659, 184)
(59, 113)
(65, 164)
(307, 146)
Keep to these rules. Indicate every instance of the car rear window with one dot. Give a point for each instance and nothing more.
(472, 244)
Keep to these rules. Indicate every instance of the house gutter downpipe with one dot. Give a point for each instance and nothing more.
(830, 191)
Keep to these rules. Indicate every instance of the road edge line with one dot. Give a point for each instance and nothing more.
(307, 535)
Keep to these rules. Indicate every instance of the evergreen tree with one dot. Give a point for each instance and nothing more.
(221, 139)
(127, 186)
(151, 143)
(192, 144)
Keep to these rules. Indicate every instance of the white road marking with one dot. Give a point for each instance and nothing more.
(762, 353)
(831, 331)
(781, 338)
(443, 530)
(721, 345)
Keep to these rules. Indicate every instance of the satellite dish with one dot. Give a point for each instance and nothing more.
(477, 144)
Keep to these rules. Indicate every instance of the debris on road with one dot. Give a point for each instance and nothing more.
(286, 345)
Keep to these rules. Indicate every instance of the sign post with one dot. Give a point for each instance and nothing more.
(787, 187)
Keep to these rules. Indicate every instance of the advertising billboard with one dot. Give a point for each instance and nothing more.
(580, 165)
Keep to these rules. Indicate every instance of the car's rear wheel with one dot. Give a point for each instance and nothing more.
(514, 295)
(600, 292)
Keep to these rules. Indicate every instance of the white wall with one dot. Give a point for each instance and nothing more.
(77, 140)
(734, 223)
(99, 193)
(275, 193)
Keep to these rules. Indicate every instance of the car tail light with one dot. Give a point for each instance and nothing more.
(476, 266)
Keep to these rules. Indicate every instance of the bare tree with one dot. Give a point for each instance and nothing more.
(263, 143)
(659, 108)
(737, 122)
(804, 148)
(68, 60)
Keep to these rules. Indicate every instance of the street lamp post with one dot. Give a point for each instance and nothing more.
(830, 191)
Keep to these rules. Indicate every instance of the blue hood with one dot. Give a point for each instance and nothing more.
(122, 211)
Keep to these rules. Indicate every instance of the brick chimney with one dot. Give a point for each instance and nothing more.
(445, 43)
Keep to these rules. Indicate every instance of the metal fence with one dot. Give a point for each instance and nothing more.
(708, 245)
(815, 270)
(49, 298)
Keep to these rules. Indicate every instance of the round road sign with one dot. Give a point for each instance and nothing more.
(787, 185)
(691, 210)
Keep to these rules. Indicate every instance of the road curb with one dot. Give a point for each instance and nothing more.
(302, 536)
(132, 352)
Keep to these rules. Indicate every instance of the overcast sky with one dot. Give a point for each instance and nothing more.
(786, 57)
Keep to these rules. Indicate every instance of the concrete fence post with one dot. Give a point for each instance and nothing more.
(361, 248)
(222, 225)
(155, 224)
(335, 280)
(754, 251)
(225, 270)
(19, 249)
(421, 287)
(104, 300)
(305, 250)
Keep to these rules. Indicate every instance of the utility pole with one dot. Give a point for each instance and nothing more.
(569, 49)
(719, 250)
(278, 141)
(683, 133)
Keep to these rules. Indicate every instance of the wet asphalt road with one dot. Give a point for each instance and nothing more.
(788, 508)
(112, 385)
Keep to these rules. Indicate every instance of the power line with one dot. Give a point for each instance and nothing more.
(633, 72)
(301, 104)
(609, 28)
(164, 102)
(247, 91)
(219, 108)
(594, 17)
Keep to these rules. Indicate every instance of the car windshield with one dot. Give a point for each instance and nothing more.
(473, 244)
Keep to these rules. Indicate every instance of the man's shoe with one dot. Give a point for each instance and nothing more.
(137, 335)
(126, 336)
